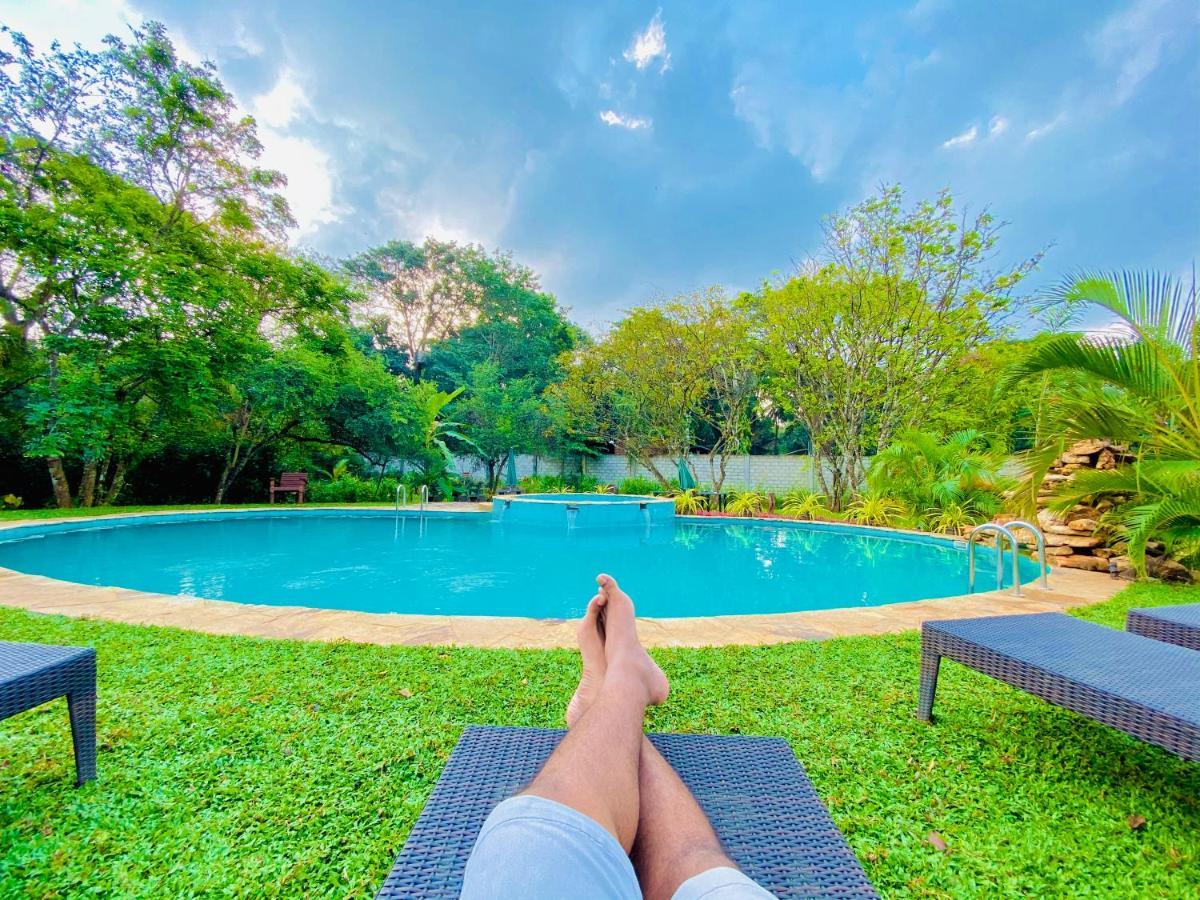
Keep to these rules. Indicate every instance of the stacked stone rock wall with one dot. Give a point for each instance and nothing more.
(1074, 539)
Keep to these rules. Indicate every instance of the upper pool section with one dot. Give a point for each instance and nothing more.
(583, 510)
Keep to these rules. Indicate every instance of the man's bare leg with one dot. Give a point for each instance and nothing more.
(595, 768)
(674, 838)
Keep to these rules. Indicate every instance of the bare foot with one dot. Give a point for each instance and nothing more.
(591, 651)
(623, 652)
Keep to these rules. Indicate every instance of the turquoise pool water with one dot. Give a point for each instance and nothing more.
(376, 561)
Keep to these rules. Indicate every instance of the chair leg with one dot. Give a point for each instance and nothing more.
(83, 735)
(930, 663)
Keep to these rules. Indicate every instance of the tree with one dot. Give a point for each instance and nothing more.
(139, 111)
(176, 131)
(717, 336)
(516, 328)
(500, 416)
(414, 296)
(859, 348)
(1141, 389)
(639, 389)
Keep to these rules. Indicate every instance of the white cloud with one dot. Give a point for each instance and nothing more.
(1116, 332)
(633, 123)
(280, 105)
(1045, 128)
(1134, 40)
(997, 126)
(309, 189)
(650, 45)
(246, 42)
(962, 140)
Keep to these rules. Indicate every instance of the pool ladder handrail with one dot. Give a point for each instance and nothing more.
(399, 488)
(1040, 541)
(424, 497)
(1001, 532)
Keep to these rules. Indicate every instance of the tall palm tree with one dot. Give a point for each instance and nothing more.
(1143, 391)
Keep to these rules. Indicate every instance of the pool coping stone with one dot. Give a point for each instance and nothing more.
(37, 593)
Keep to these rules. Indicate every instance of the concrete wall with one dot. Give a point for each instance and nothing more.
(774, 473)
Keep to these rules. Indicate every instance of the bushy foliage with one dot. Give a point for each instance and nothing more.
(638, 484)
(942, 485)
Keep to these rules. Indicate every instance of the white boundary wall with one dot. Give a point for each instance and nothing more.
(774, 473)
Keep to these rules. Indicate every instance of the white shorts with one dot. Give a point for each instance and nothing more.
(537, 849)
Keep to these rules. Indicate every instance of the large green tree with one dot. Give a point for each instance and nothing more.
(860, 347)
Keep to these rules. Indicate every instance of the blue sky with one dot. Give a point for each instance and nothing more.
(628, 151)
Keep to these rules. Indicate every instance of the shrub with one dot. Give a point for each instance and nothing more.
(544, 484)
(688, 502)
(349, 488)
(12, 501)
(639, 485)
(877, 509)
(745, 503)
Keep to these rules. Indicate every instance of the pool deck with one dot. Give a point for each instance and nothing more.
(1068, 588)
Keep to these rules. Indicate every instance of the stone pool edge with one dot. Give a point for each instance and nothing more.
(38, 593)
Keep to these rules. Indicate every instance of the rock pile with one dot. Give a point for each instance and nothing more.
(1075, 540)
(1071, 539)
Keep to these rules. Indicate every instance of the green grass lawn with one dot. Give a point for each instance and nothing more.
(14, 515)
(244, 767)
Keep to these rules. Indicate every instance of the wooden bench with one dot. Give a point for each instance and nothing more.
(290, 483)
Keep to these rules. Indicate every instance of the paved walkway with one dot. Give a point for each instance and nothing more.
(1069, 588)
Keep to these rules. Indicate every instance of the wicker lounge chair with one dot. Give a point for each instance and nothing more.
(759, 800)
(1145, 688)
(33, 674)
(1173, 624)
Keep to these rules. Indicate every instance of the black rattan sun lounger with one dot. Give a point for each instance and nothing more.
(1173, 624)
(761, 804)
(33, 674)
(1145, 688)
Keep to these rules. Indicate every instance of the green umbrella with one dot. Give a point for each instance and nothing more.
(510, 476)
(686, 481)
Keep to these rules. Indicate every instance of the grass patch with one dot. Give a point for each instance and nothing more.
(15, 515)
(245, 767)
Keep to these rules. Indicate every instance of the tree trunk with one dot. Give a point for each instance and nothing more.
(87, 484)
(58, 478)
(116, 485)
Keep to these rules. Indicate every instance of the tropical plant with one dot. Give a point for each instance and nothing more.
(1142, 391)
(688, 502)
(804, 504)
(951, 518)
(877, 509)
(745, 503)
(942, 483)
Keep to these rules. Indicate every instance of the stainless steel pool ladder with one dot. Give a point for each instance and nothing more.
(424, 497)
(399, 488)
(1040, 540)
(1001, 533)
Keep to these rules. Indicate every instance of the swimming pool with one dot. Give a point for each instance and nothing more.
(467, 564)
